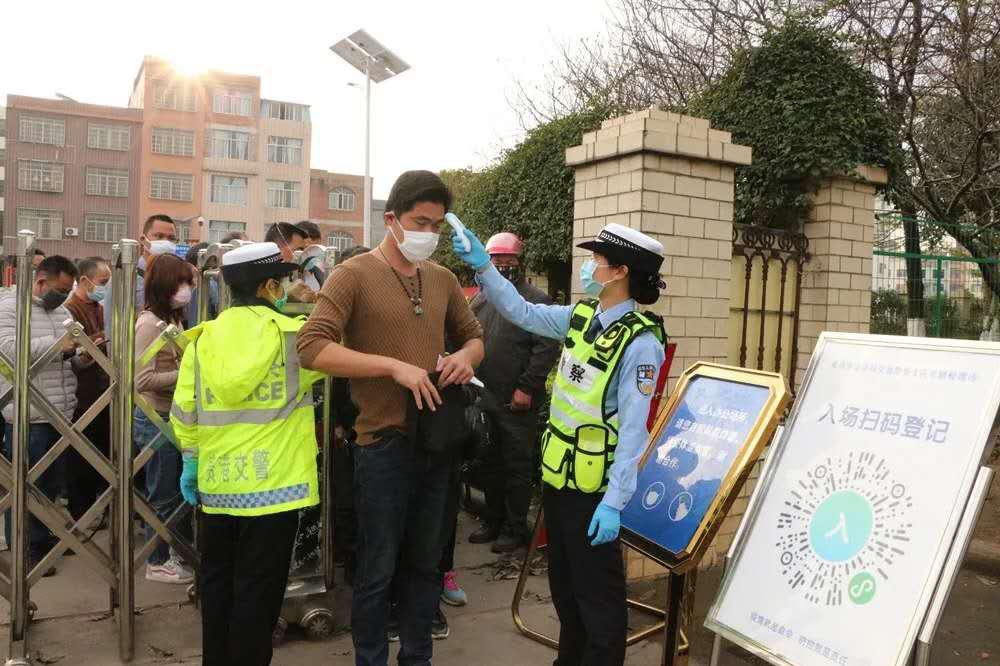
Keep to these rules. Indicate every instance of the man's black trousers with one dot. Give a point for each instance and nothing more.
(510, 469)
(244, 571)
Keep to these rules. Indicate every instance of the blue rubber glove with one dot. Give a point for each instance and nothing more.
(604, 525)
(189, 480)
(476, 256)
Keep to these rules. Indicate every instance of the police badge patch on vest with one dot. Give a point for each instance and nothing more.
(645, 379)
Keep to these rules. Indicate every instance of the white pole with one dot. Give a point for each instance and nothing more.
(368, 147)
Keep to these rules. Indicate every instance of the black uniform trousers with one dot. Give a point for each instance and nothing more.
(244, 572)
(587, 582)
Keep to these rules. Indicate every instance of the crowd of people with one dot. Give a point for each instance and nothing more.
(397, 333)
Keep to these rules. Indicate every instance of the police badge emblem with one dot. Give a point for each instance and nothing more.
(645, 379)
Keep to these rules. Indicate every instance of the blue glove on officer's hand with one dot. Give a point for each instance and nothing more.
(605, 524)
(476, 256)
(189, 480)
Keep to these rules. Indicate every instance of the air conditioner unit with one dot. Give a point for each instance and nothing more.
(72, 232)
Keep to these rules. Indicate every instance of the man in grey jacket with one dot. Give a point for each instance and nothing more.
(52, 284)
(515, 368)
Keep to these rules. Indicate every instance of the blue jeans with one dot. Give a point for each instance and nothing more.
(400, 496)
(41, 438)
(163, 475)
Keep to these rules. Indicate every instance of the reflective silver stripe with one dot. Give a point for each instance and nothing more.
(563, 418)
(187, 418)
(253, 416)
(578, 405)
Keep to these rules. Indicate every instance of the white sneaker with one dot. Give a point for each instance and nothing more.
(170, 571)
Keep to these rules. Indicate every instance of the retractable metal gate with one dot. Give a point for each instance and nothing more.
(19, 476)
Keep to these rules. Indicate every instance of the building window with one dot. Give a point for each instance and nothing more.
(104, 228)
(107, 182)
(171, 186)
(283, 193)
(340, 241)
(183, 231)
(284, 150)
(217, 229)
(178, 98)
(229, 144)
(34, 129)
(108, 137)
(341, 198)
(47, 224)
(233, 102)
(229, 190)
(39, 176)
(167, 141)
(284, 111)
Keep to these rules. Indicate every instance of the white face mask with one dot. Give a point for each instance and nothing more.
(182, 297)
(158, 247)
(416, 245)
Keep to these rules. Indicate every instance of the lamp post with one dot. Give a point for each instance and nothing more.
(377, 63)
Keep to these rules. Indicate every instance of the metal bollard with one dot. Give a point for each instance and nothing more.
(115, 347)
(18, 652)
(225, 296)
(122, 417)
(326, 472)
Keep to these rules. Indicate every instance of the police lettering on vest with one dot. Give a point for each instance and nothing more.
(248, 418)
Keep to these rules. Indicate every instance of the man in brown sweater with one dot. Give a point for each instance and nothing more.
(83, 482)
(383, 320)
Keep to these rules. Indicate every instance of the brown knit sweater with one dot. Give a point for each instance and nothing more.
(363, 306)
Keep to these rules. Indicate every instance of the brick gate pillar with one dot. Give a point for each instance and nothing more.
(672, 177)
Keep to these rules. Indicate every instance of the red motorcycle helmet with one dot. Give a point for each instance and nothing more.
(504, 242)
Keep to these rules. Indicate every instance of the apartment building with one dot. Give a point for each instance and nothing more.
(74, 174)
(207, 150)
(216, 156)
(336, 204)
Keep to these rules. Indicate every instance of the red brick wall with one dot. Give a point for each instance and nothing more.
(350, 222)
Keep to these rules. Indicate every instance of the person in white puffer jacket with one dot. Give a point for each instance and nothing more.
(53, 282)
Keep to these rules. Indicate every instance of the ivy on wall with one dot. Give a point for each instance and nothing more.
(808, 112)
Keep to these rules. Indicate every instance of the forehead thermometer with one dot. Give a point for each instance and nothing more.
(459, 228)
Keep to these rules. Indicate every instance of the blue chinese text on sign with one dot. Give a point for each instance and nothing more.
(692, 455)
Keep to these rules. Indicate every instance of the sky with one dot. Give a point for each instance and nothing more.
(450, 110)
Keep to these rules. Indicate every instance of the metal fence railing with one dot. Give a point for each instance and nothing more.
(956, 301)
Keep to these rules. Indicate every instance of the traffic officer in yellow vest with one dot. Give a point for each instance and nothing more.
(243, 416)
(597, 427)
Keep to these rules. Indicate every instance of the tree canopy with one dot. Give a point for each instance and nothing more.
(809, 113)
(528, 190)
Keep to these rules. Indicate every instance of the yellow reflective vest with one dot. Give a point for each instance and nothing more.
(578, 446)
(243, 405)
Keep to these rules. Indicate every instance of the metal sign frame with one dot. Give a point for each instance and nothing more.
(946, 564)
(759, 435)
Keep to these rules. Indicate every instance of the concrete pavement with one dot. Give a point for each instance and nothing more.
(74, 630)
